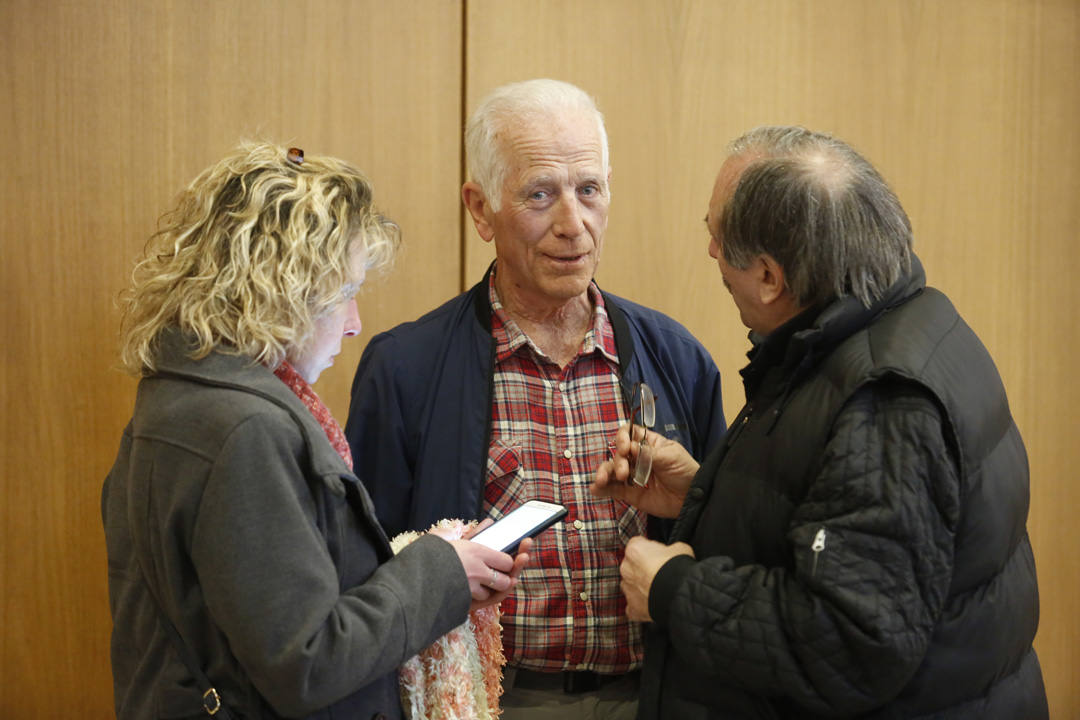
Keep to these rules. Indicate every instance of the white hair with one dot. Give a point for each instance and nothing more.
(510, 105)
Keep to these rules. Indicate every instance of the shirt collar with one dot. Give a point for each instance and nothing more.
(510, 338)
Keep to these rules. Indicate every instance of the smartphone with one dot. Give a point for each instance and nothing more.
(523, 521)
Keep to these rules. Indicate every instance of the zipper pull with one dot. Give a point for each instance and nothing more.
(817, 547)
(740, 421)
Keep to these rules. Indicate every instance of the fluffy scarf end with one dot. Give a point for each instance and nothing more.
(459, 677)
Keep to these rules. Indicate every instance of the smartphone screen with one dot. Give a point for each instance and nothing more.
(523, 521)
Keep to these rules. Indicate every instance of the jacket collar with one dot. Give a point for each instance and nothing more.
(797, 351)
(220, 368)
(237, 372)
(844, 317)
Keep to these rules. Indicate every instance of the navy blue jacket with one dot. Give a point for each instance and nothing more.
(420, 418)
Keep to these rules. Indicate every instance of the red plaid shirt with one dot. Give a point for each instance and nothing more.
(550, 430)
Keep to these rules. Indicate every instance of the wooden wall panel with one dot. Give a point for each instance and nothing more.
(110, 108)
(969, 108)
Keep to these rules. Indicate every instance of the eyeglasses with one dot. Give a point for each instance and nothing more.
(643, 404)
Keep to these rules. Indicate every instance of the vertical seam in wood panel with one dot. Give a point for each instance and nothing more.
(462, 232)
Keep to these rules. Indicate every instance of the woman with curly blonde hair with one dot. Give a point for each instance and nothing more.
(247, 571)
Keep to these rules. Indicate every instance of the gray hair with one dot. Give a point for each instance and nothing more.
(821, 211)
(512, 104)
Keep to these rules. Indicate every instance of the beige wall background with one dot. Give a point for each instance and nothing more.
(970, 108)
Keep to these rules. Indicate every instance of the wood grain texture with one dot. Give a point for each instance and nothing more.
(968, 108)
(110, 109)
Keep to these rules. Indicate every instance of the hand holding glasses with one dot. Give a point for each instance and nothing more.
(643, 413)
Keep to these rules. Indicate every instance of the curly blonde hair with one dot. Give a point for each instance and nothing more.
(256, 250)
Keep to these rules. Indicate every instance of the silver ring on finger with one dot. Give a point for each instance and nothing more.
(494, 577)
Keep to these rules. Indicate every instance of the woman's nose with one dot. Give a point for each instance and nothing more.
(352, 319)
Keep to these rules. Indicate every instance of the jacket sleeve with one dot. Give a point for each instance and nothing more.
(377, 435)
(872, 558)
(273, 588)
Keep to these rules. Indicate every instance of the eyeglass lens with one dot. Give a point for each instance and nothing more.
(646, 404)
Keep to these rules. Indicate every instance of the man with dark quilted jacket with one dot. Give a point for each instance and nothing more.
(857, 547)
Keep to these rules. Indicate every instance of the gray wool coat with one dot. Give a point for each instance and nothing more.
(264, 552)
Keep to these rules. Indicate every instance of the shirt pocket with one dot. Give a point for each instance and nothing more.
(504, 489)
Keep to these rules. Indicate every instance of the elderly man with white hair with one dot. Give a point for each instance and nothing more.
(513, 390)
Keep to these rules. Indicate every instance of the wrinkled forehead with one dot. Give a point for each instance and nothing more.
(572, 138)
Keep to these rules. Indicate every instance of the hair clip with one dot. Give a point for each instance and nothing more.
(296, 155)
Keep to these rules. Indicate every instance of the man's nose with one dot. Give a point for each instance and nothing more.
(568, 222)
(352, 319)
(714, 249)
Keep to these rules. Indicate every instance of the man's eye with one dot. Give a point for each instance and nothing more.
(589, 190)
(538, 195)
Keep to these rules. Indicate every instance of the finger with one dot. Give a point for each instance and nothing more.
(612, 483)
(521, 559)
(477, 528)
(480, 593)
(501, 583)
(635, 609)
(612, 488)
(622, 440)
(603, 476)
(504, 563)
(625, 588)
(611, 470)
(493, 558)
(496, 598)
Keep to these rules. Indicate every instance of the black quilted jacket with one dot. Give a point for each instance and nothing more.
(860, 538)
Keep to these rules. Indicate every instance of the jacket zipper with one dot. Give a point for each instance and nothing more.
(817, 546)
(736, 427)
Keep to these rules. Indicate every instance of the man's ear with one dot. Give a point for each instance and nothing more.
(477, 205)
(771, 281)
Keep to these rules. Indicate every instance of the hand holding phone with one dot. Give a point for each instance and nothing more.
(526, 520)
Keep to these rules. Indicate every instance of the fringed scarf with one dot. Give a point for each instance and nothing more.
(459, 676)
(300, 387)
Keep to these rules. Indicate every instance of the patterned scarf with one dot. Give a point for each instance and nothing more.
(300, 387)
